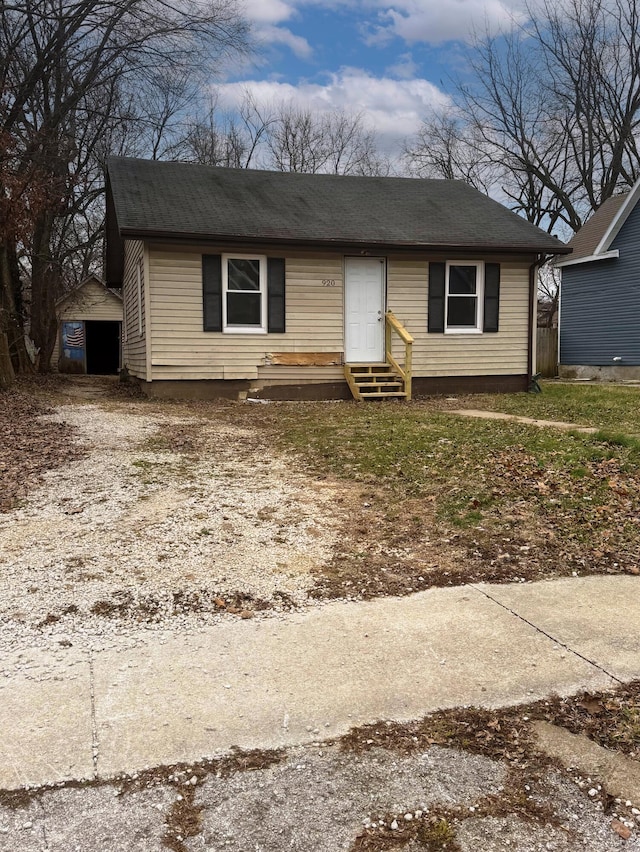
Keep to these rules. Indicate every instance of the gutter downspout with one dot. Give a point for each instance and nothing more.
(533, 301)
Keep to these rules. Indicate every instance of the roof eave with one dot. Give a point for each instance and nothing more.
(575, 261)
(154, 234)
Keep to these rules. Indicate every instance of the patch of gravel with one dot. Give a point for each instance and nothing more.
(582, 825)
(134, 536)
(322, 801)
(316, 798)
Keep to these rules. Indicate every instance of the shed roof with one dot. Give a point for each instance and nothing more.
(157, 199)
(90, 279)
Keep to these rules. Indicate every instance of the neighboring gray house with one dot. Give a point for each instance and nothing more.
(600, 294)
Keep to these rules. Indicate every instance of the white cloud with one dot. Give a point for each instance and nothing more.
(427, 21)
(268, 11)
(405, 67)
(393, 108)
(444, 20)
(270, 35)
(266, 16)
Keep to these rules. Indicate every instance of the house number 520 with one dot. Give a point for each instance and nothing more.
(328, 282)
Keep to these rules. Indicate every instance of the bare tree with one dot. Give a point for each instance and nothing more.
(548, 295)
(66, 72)
(227, 138)
(354, 148)
(550, 118)
(298, 141)
(284, 137)
(446, 147)
(335, 142)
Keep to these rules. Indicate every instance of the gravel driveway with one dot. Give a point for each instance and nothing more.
(166, 521)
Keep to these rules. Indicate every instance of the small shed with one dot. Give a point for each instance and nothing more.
(89, 330)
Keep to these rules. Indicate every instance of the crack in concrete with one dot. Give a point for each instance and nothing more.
(548, 635)
(94, 724)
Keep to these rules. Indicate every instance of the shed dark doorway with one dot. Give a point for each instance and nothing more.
(103, 347)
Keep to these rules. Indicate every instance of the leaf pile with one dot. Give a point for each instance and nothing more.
(124, 603)
(499, 735)
(30, 446)
(611, 719)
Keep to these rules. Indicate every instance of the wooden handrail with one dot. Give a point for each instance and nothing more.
(397, 326)
(392, 323)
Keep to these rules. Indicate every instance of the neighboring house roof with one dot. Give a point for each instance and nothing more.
(593, 240)
(155, 199)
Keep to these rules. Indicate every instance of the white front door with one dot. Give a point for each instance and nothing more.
(364, 309)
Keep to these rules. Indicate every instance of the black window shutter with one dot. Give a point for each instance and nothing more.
(436, 297)
(212, 292)
(491, 296)
(276, 295)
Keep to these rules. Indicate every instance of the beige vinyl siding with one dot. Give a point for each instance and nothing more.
(181, 349)
(133, 342)
(490, 354)
(89, 302)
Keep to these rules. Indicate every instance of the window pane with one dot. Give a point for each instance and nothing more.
(243, 309)
(461, 311)
(243, 274)
(462, 279)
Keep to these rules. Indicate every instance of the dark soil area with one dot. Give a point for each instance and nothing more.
(30, 446)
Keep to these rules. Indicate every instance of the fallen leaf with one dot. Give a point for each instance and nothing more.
(621, 829)
(592, 705)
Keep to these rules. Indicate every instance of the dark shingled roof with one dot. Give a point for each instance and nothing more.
(165, 199)
(587, 239)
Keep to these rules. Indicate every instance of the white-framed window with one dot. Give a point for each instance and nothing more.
(464, 293)
(244, 293)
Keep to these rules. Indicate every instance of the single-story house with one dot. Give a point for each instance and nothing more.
(289, 285)
(89, 330)
(600, 294)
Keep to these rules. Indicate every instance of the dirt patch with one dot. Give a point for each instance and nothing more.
(611, 719)
(398, 547)
(500, 735)
(184, 819)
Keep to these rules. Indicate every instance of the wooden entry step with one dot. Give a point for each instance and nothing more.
(374, 381)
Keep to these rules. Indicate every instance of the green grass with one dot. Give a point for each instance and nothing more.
(612, 408)
(497, 487)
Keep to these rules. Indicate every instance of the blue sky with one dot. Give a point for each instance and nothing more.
(389, 61)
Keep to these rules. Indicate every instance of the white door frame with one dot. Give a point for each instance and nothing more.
(364, 308)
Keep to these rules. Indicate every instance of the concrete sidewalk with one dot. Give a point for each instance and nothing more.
(275, 682)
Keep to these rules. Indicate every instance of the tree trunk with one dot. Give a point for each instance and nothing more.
(7, 376)
(13, 353)
(44, 290)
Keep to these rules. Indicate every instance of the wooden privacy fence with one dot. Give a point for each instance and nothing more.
(547, 352)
